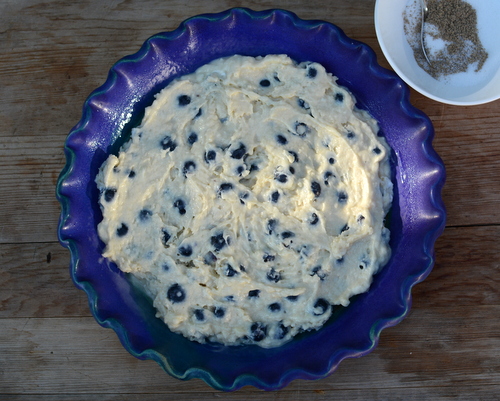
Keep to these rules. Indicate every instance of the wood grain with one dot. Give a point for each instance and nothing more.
(466, 274)
(40, 269)
(59, 353)
(53, 54)
(449, 337)
(467, 270)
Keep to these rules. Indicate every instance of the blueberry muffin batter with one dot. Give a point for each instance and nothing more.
(249, 201)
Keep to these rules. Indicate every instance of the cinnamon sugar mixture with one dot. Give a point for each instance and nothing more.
(450, 35)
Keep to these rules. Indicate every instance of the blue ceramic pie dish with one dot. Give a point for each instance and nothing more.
(416, 220)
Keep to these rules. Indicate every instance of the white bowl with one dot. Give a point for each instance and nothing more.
(462, 89)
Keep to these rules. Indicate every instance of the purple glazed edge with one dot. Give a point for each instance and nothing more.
(418, 215)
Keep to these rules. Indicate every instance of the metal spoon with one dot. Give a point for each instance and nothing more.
(425, 12)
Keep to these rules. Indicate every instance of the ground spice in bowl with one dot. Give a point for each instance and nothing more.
(450, 36)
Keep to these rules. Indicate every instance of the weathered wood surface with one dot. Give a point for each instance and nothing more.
(52, 55)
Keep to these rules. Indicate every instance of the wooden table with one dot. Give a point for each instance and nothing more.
(52, 55)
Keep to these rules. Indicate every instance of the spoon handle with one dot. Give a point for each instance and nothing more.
(425, 11)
